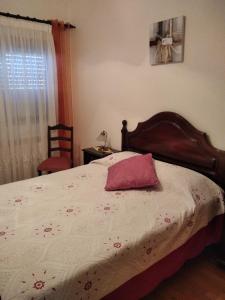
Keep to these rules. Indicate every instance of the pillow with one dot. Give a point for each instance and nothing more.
(131, 173)
(114, 158)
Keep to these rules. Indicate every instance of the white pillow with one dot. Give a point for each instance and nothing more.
(114, 158)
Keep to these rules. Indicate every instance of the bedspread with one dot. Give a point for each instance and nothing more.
(62, 236)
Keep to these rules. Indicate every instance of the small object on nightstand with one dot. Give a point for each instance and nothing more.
(103, 149)
(103, 138)
(93, 153)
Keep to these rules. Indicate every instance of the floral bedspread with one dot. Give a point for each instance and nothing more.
(62, 236)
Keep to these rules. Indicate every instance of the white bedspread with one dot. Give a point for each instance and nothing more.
(63, 237)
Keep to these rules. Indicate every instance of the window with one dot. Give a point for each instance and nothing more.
(28, 96)
(23, 72)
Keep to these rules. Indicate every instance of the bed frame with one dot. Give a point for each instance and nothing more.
(171, 138)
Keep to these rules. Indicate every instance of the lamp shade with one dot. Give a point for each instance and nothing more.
(102, 137)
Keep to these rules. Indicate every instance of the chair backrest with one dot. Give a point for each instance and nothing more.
(65, 138)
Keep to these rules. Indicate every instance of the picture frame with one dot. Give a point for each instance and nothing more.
(167, 41)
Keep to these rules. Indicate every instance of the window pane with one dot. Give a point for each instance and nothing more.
(18, 71)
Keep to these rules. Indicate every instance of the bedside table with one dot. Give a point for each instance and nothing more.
(92, 154)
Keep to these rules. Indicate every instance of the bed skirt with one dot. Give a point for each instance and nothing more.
(145, 282)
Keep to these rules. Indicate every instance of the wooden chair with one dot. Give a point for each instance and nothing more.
(55, 164)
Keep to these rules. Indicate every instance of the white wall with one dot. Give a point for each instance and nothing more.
(116, 80)
(45, 9)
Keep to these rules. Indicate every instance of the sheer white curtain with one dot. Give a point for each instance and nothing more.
(28, 96)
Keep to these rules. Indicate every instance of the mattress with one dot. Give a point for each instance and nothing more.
(62, 236)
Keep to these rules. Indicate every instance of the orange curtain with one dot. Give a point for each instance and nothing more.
(61, 37)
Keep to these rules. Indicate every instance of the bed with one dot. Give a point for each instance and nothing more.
(62, 236)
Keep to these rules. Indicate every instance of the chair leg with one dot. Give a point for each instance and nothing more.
(39, 173)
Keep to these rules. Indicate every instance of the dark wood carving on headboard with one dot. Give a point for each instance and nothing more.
(171, 138)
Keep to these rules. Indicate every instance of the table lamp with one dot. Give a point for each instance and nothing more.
(102, 137)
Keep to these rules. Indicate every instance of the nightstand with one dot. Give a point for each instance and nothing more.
(92, 154)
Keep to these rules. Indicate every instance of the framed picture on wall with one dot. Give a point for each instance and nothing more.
(167, 41)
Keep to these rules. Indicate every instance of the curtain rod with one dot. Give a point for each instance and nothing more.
(67, 25)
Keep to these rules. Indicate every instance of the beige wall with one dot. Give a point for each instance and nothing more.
(46, 9)
(116, 80)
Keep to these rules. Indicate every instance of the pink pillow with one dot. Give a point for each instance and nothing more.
(131, 173)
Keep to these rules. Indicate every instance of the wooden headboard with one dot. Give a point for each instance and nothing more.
(171, 138)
